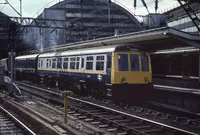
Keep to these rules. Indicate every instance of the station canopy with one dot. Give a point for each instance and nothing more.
(149, 40)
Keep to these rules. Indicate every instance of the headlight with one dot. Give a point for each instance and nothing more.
(146, 80)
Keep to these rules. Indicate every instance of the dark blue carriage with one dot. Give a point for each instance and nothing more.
(26, 67)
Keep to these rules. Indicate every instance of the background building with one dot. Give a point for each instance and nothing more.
(3, 30)
(177, 18)
(85, 19)
(4, 33)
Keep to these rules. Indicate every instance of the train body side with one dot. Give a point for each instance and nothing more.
(26, 67)
(77, 73)
(77, 70)
(115, 72)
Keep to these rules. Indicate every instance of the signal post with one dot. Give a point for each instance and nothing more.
(65, 95)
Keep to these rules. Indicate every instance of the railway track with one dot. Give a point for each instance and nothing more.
(10, 125)
(111, 120)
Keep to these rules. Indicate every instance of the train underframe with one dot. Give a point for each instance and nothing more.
(132, 93)
(29, 76)
(119, 93)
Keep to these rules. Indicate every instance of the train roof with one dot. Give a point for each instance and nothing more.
(93, 50)
(31, 56)
(52, 54)
(89, 51)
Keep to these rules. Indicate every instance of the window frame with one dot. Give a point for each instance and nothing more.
(104, 63)
(48, 60)
(139, 62)
(53, 62)
(42, 63)
(78, 61)
(93, 61)
(64, 62)
(128, 61)
(141, 66)
(83, 63)
(57, 62)
(38, 63)
(74, 61)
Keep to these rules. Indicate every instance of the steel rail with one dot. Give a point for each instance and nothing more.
(134, 116)
(165, 126)
(16, 121)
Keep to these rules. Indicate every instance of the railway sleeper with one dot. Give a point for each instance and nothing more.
(122, 133)
(88, 119)
(6, 132)
(103, 125)
(141, 126)
(76, 114)
(96, 122)
(94, 111)
(82, 117)
(152, 130)
(115, 117)
(112, 129)
(122, 120)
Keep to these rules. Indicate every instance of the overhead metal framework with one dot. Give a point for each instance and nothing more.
(43, 23)
(75, 20)
(189, 11)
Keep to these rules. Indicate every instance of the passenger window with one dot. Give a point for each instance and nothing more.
(77, 62)
(41, 63)
(72, 62)
(89, 63)
(123, 62)
(53, 63)
(59, 63)
(65, 63)
(134, 58)
(100, 63)
(144, 62)
(82, 62)
(109, 62)
(47, 63)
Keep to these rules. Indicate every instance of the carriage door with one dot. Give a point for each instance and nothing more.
(82, 66)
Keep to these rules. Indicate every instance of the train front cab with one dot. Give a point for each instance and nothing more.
(131, 76)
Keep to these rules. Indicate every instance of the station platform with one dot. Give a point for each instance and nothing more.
(177, 81)
(177, 89)
(178, 97)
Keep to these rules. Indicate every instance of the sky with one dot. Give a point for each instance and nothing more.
(32, 8)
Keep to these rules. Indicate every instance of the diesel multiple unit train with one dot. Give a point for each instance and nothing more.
(119, 72)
